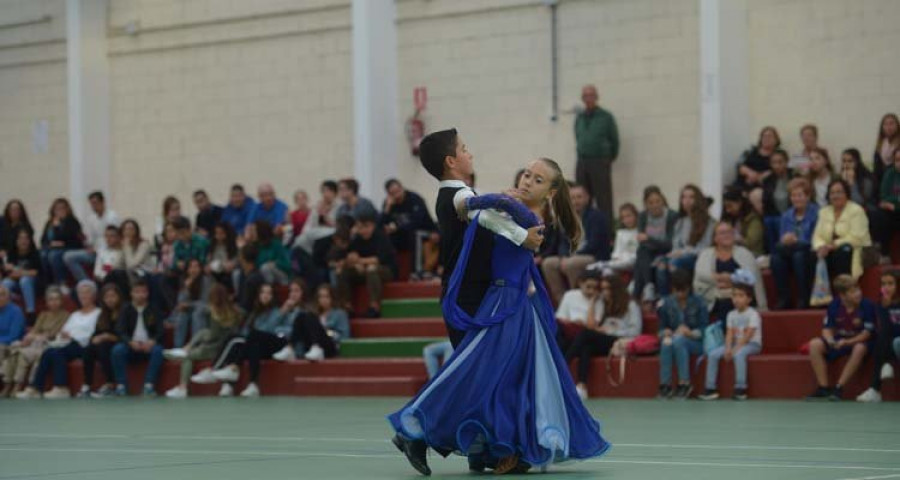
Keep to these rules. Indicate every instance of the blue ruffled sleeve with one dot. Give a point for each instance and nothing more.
(497, 201)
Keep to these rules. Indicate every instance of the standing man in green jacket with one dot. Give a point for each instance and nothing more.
(597, 142)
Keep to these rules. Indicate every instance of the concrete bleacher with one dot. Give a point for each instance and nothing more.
(384, 357)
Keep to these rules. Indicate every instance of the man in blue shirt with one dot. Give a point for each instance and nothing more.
(12, 323)
(240, 206)
(270, 209)
(849, 330)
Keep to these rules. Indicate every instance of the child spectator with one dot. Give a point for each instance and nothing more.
(371, 260)
(20, 272)
(27, 352)
(849, 327)
(683, 317)
(67, 346)
(102, 342)
(62, 233)
(223, 319)
(352, 204)
(572, 313)
(743, 338)
(619, 317)
(793, 252)
(887, 345)
(95, 226)
(188, 314)
(299, 215)
(223, 253)
(274, 261)
(626, 245)
(267, 331)
(693, 233)
(109, 254)
(748, 225)
(656, 227)
(140, 331)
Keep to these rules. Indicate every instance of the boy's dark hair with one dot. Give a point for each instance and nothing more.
(264, 231)
(681, 280)
(590, 275)
(747, 289)
(249, 253)
(331, 185)
(391, 182)
(434, 148)
(200, 192)
(97, 195)
(366, 218)
(181, 223)
(113, 228)
(139, 282)
(350, 183)
(237, 187)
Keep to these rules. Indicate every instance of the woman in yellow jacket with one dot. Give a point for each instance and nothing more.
(841, 232)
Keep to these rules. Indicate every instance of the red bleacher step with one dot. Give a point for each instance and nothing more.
(405, 386)
(398, 327)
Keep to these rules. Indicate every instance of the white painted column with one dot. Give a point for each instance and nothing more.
(89, 100)
(725, 92)
(376, 125)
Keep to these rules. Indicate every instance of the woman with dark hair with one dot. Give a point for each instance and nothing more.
(841, 232)
(656, 227)
(20, 271)
(775, 197)
(888, 143)
(171, 210)
(863, 190)
(102, 342)
(620, 317)
(748, 226)
(887, 342)
(317, 334)
(693, 232)
(14, 217)
(62, 233)
(192, 299)
(223, 252)
(821, 173)
(273, 262)
(136, 251)
(755, 166)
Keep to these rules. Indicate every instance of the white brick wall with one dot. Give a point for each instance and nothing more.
(33, 88)
(256, 100)
(829, 62)
(487, 69)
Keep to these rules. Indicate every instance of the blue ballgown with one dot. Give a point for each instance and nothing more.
(507, 389)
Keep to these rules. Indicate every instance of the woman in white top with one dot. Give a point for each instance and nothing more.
(69, 345)
(620, 317)
(135, 249)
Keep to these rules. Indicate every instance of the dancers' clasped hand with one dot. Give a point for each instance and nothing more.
(535, 234)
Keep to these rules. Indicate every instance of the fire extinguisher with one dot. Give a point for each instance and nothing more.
(415, 131)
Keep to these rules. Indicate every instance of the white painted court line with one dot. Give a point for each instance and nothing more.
(881, 477)
(228, 438)
(141, 451)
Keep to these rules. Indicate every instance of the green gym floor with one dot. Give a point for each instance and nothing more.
(347, 438)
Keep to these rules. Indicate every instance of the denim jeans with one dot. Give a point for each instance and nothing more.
(680, 352)
(27, 286)
(122, 355)
(772, 230)
(740, 365)
(193, 319)
(799, 259)
(57, 359)
(435, 355)
(75, 261)
(54, 268)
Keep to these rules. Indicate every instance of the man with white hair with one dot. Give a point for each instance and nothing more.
(597, 143)
(270, 209)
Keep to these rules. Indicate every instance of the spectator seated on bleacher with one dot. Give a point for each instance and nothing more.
(95, 226)
(23, 354)
(406, 220)
(316, 333)
(101, 345)
(14, 218)
(20, 271)
(683, 317)
(626, 245)
(693, 232)
(841, 232)
(793, 252)
(888, 213)
(140, 330)
(351, 203)
(656, 229)
(371, 260)
(62, 233)
(887, 339)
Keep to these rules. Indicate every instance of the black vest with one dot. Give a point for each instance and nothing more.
(478, 274)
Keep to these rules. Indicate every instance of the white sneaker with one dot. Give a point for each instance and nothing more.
(177, 393)
(28, 394)
(65, 290)
(226, 391)
(315, 354)
(286, 354)
(175, 353)
(252, 391)
(57, 393)
(649, 292)
(204, 377)
(869, 396)
(226, 374)
(887, 371)
(582, 392)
